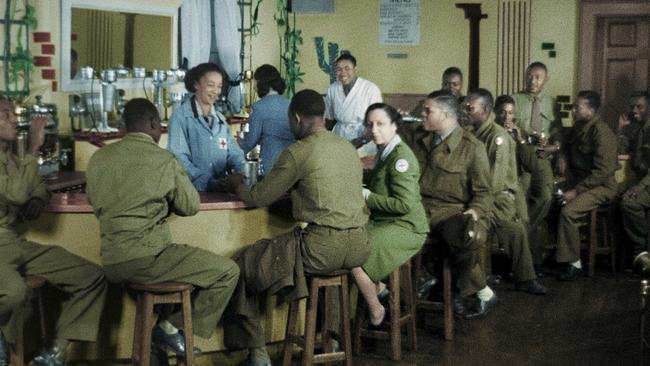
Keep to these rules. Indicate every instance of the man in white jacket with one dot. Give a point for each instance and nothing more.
(348, 98)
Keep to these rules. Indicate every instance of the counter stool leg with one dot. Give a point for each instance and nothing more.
(345, 315)
(409, 305)
(325, 321)
(290, 333)
(310, 324)
(187, 326)
(145, 348)
(447, 299)
(593, 241)
(358, 324)
(136, 354)
(394, 304)
(41, 313)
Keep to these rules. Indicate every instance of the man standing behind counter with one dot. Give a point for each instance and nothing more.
(334, 209)
(455, 190)
(23, 195)
(133, 186)
(347, 99)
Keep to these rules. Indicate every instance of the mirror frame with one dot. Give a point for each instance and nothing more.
(168, 8)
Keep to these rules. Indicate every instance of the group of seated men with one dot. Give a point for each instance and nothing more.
(470, 186)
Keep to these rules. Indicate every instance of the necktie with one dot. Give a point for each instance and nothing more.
(535, 117)
(437, 140)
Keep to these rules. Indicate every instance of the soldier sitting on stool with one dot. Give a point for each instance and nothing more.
(455, 190)
(333, 207)
(23, 196)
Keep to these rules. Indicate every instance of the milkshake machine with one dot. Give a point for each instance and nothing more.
(48, 159)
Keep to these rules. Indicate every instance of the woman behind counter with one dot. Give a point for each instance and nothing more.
(398, 224)
(199, 136)
(268, 122)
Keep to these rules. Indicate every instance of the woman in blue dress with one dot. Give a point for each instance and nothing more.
(199, 135)
(268, 122)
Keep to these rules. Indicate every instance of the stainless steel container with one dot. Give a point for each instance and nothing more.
(21, 143)
(251, 169)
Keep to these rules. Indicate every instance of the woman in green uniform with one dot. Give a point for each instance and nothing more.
(398, 224)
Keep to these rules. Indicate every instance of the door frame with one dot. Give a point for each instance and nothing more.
(589, 12)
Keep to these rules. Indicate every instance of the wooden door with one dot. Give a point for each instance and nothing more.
(623, 46)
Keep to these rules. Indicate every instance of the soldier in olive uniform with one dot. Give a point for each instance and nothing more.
(23, 195)
(630, 124)
(535, 117)
(509, 228)
(134, 186)
(636, 201)
(589, 155)
(455, 190)
(332, 209)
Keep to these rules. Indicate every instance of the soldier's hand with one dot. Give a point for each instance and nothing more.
(623, 120)
(232, 182)
(633, 192)
(32, 209)
(570, 195)
(472, 212)
(36, 134)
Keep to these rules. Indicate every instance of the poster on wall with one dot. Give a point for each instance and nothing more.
(399, 23)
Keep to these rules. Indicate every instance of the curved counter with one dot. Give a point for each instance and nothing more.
(223, 225)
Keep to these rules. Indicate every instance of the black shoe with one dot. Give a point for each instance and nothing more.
(460, 308)
(482, 308)
(383, 296)
(50, 357)
(570, 273)
(494, 280)
(172, 342)
(3, 351)
(249, 362)
(426, 284)
(531, 286)
(158, 357)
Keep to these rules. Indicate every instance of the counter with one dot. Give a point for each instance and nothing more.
(223, 226)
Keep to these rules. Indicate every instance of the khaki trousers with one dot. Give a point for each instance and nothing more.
(214, 277)
(635, 217)
(80, 279)
(568, 234)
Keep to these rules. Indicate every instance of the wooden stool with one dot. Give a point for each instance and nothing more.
(308, 342)
(147, 297)
(446, 305)
(398, 278)
(17, 351)
(605, 213)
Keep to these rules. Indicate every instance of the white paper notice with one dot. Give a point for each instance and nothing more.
(399, 22)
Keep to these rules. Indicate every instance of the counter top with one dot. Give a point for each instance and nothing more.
(76, 202)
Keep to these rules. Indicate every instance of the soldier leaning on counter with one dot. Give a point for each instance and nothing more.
(134, 186)
(334, 210)
(589, 159)
(455, 190)
(510, 229)
(23, 196)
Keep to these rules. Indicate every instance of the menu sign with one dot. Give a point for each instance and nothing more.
(399, 22)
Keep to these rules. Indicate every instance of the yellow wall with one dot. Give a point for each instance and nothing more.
(354, 26)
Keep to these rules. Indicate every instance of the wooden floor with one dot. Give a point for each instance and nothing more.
(587, 322)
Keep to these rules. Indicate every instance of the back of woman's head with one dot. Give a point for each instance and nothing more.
(267, 78)
(393, 114)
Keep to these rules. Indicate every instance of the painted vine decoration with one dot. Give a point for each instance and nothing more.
(18, 64)
(290, 39)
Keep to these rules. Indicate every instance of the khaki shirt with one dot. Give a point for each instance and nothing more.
(19, 182)
(592, 159)
(502, 155)
(324, 175)
(524, 108)
(627, 137)
(133, 186)
(454, 174)
(641, 157)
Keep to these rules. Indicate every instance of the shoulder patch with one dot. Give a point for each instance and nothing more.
(401, 165)
(498, 140)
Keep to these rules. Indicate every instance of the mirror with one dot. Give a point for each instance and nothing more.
(106, 35)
